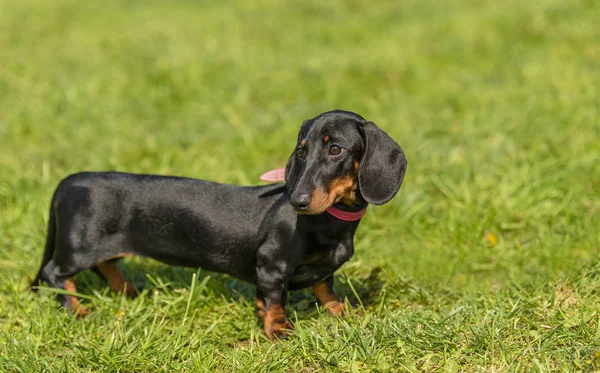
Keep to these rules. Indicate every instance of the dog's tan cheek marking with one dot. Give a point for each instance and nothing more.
(341, 189)
(349, 195)
(303, 142)
(115, 278)
(344, 188)
(321, 201)
(74, 306)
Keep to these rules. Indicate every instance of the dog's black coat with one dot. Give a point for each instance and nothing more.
(252, 233)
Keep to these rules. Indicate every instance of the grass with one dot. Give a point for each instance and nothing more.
(488, 259)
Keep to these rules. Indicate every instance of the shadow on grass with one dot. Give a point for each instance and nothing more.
(157, 278)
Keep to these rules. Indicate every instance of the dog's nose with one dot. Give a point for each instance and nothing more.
(300, 201)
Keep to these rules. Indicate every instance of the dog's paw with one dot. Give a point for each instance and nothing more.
(279, 330)
(81, 312)
(335, 308)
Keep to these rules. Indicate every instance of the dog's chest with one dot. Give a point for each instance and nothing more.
(321, 261)
(328, 255)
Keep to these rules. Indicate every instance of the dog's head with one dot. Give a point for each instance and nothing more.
(341, 157)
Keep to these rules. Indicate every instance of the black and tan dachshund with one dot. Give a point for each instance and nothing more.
(280, 237)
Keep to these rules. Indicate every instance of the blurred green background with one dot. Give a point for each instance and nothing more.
(496, 105)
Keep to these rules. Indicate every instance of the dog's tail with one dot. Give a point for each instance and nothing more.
(50, 246)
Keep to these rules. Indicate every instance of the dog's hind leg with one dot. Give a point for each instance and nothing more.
(52, 276)
(114, 277)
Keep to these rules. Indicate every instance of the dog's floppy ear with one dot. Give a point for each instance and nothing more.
(382, 167)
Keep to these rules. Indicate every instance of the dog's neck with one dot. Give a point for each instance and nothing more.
(344, 211)
(344, 214)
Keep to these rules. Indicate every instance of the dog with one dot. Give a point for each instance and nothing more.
(280, 237)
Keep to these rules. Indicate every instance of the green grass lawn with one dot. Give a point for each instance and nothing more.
(487, 260)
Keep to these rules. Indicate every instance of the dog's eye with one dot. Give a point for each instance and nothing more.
(335, 150)
(301, 152)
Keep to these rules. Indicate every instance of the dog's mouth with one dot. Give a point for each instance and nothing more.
(320, 202)
(309, 211)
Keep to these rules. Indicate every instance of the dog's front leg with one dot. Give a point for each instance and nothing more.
(271, 293)
(328, 297)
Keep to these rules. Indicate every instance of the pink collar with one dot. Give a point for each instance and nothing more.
(278, 175)
(346, 215)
